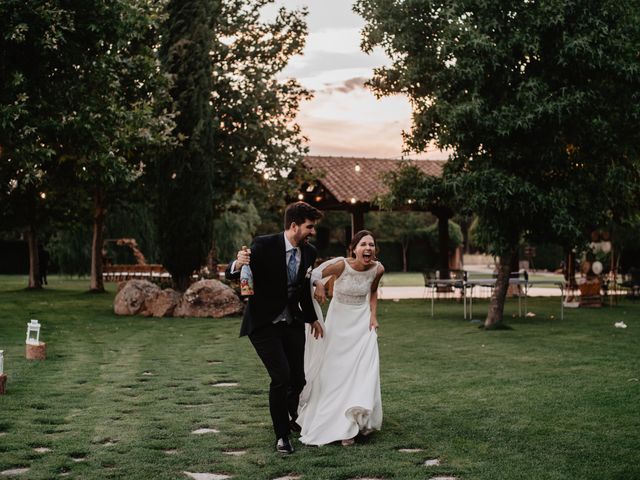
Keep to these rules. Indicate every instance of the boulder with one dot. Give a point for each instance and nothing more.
(208, 298)
(164, 304)
(135, 298)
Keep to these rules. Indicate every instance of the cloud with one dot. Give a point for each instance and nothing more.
(314, 64)
(322, 13)
(350, 85)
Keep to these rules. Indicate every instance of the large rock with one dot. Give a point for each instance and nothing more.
(208, 298)
(135, 298)
(165, 303)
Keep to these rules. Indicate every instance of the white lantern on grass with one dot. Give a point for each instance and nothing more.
(33, 333)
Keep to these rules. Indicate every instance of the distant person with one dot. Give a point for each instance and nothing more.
(43, 262)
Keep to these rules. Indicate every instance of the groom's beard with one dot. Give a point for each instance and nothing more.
(306, 239)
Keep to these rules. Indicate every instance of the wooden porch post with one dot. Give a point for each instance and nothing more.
(357, 221)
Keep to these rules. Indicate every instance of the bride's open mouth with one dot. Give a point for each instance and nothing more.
(367, 256)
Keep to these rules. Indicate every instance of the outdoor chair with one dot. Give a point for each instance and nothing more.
(444, 287)
(633, 283)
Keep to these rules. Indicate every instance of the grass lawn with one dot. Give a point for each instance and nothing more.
(118, 397)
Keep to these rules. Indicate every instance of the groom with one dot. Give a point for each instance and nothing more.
(275, 316)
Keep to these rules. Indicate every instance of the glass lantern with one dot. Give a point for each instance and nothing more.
(33, 332)
(1, 362)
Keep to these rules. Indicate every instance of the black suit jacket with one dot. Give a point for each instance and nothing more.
(268, 265)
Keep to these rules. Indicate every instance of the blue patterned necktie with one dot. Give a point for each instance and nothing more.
(292, 266)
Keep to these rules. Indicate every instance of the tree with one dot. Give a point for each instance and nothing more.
(185, 173)
(236, 226)
(79, 105)
(411, 186)
(401, 227)
(538, 100)
(255, 142)
(33, 182)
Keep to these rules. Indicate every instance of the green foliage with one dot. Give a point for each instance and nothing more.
(254, 111)
(185, 173)
(235, 227)
(538, 100)
(401, 227)
(70, 249)
(79, 109)
(455, 236)
(134, 220)
(252, 141)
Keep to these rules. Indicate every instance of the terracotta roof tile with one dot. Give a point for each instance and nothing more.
(340, 178)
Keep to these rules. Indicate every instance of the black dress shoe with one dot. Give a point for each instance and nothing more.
(283, 445)
(294, 427)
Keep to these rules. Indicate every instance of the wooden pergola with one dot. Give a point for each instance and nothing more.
(352, 184)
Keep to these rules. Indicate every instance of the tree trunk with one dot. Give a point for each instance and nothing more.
(99, 213)
(496, 304)
(405, 247)
(443, 246)
(181, 281)
(570, 271)
(34, 260)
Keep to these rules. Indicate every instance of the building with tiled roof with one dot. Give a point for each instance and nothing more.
(351, 183)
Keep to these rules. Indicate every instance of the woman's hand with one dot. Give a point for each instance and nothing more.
(373, 323)
(320, 293)
(316, 329)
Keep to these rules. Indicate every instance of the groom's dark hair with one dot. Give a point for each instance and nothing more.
(299, 212)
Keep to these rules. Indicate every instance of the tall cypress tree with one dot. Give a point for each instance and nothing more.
(185, 173)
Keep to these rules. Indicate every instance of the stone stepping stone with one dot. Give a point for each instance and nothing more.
(78, 459)
(202, 431)
(41, 449)
(14, 471)
(2, 434)
(235, 453)
(289, 477)
(148, 374)
(443, 478)
(410, 450)
(434, 462)
(207, 476)
(225, 384)
(214, 362)
(171, 451)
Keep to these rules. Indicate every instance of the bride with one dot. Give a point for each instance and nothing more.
(342, 394)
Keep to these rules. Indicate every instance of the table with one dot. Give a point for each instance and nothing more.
(467, 287)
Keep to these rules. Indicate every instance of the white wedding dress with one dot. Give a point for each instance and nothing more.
(342, 395)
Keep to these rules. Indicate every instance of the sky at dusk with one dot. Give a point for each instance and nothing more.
(344, 118)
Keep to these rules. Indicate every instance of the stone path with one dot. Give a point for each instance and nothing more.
(207, 476)
(235, 453)
(202, 431)
(14, 471)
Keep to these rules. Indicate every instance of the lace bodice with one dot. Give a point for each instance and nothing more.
(352, 286)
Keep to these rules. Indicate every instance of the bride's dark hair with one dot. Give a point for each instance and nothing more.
(356, 239)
